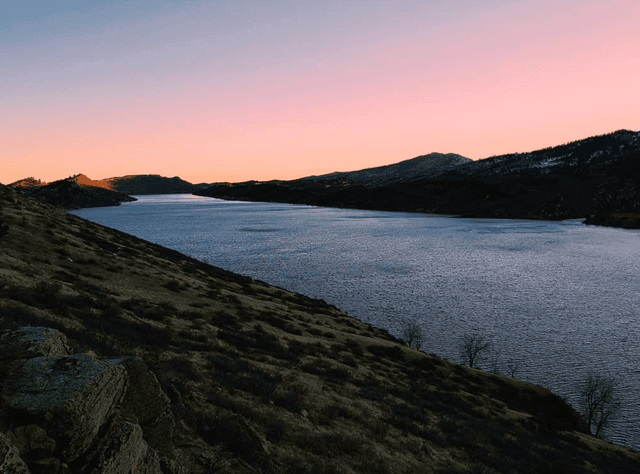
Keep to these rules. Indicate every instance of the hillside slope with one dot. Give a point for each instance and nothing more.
(264, 380)
(420, 167)
(151, 184)
(597, 178)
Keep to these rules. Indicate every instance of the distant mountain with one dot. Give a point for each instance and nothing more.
(152, 184)
(80, 191)
(614, 153)
(425, 166)
(27, 182)
(130, 184)
(597, 178)
(83, 180)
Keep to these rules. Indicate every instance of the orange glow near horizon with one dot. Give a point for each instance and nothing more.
(275, 94)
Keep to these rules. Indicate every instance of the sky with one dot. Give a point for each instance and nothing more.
(236, 90)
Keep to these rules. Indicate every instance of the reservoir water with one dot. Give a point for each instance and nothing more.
(557, 299)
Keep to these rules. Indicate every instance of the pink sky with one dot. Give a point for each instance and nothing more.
(238, 90)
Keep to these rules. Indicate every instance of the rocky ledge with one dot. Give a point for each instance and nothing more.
(62, 413)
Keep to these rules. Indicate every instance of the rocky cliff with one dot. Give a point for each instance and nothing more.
(68, 413)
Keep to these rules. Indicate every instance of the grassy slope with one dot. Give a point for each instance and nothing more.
(265, 380)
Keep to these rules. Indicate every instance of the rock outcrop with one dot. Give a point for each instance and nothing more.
(65, 413)
(10, 460)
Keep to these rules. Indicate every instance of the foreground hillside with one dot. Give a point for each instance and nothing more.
(263, 380)
(597, 178)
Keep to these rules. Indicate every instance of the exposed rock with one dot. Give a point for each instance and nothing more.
(10, 461)
(71, 396)
(46, 465)
(32, 441)
(148, 402)
(77, 413)
(28, 342)
(121, 450)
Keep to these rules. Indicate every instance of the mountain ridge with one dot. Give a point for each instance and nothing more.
(129, 184)
(596, 179)
(71, 194)
(422, 166)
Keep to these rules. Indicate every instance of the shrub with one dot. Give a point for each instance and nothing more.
(599, 402)
(354, 346)
(412, 334)
(292, 397)
(3, 229)
(46, 292)
(328, 370)
(230, 431)
(472, 347)
(386, 352)
(175, 286)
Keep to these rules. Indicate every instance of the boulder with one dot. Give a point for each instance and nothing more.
(146, 400)
(70, 396)
(10, 461)
(28, 342)
(32, 441)
(78, 413)
(120, 450)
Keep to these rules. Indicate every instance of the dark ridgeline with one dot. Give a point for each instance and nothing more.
(597, 178)
(153, 184)
(79, 191)
(68, 194)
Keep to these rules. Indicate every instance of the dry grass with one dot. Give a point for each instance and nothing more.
(265, 380)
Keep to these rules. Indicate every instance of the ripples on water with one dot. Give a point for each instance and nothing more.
(560, 298)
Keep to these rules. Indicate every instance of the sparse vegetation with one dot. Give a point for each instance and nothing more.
(473, 347)
(412, 333)
(598, 402)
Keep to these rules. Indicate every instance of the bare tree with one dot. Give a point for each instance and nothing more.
(472, 346)
(510, 368)
(513, 368)
(599, 402)
(412, 334)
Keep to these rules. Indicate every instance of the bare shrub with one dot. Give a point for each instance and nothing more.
(599, 402)
(472, 347)
(412, 333)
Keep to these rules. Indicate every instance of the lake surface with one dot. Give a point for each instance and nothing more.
(559, 299)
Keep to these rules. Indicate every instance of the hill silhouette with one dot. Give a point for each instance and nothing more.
(260, 379)
(424, 166)
(74, 193)
(597, 179)
(131, 184)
